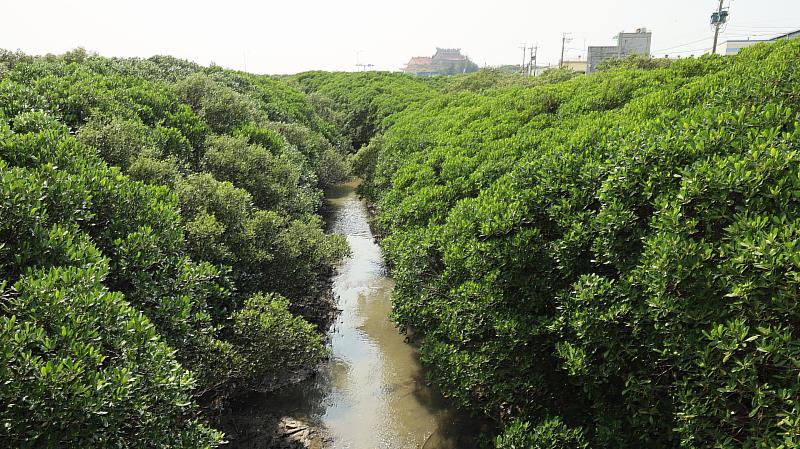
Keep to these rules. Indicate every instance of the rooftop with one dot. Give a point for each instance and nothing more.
(420, 60)
(793, 34)
(449, 54)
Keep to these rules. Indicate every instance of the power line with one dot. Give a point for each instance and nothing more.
(730, 36)
(764, 27)
(696, 50)
(683, 45)
(758, 32)
(762, 30)
(740, 34)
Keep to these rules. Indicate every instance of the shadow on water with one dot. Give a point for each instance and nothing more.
(340, 191)
(372, 393)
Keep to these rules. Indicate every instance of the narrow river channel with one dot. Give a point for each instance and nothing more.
(372, 394)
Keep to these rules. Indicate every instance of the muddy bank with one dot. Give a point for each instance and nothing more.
(251, 428)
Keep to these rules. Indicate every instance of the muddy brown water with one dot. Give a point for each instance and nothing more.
(372, 394)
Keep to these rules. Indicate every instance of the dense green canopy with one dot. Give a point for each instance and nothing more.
(159, 223)
(604, 261)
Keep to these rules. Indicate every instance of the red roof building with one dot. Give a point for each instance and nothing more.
(446, 61)
(420, 65)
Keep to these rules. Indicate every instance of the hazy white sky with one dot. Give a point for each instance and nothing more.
(296, 35)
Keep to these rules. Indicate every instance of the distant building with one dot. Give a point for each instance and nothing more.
(577, 65)
(792, 35)
(598, 55)
(637, 43)
(420, 66)
(734, 46)
(446, 61)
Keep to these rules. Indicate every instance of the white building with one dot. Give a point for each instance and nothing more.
(792, 35)
(576, 65)
(734, 46)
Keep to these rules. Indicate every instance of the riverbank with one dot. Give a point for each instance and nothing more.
(372, 392)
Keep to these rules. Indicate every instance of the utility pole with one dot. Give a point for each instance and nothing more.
(524, 48)
(718, 19)
(564, 40)
(532, 66)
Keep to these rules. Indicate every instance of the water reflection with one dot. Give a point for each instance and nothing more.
(372, 394)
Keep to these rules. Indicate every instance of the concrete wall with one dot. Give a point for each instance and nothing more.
(634, 43)
(637, 43)
(597, 55)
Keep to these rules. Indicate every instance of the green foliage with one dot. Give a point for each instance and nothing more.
(273, 340)
(191, 126)
(80, 365)
(273, 181)
(9, 59)
(119, 141)
(487, 79)
(268, 251)
(333, 167)
(549, 434)
(329, 162)
(220, 106)
(644, 62)
(152, 169)
(366, 98)
(149, 208)
(33, 122)
(604, 261)
(81, 368)
(267, 138)
(616, 250)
